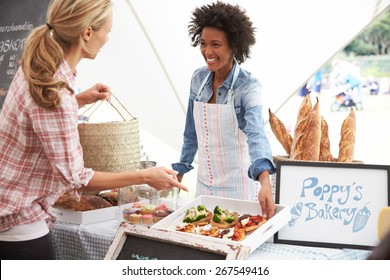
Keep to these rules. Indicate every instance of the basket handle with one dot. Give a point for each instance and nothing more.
(101, 102)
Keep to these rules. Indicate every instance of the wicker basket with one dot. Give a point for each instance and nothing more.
(111, 146)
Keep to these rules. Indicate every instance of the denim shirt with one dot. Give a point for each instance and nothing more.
(248, 107)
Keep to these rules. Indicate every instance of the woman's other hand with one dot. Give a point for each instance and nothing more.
(162, 178)
(93, 94)
(265, 197)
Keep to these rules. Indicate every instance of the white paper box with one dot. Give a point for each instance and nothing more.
(253, 240)
(85, 217)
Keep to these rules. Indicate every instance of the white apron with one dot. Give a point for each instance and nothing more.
(222, 150)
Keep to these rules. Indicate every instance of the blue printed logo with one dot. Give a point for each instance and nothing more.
(138, 257)
(331, 203)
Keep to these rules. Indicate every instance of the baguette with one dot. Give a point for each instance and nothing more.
(347, 141)
(304, 109)
(307, 137)
(280, 131)
(325, 153)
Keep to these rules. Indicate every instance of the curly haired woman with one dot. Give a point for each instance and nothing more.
(41, 155)
(224, 122)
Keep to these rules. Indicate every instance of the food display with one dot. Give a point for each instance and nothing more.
(251, 232)
(219, 223)
(310, 141)
(147, 214)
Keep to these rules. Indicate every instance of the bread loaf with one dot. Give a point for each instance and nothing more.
(111, 196)
(325, 153)
(279, 129)
(347, 141)
(307, 136)
(304, 109)
(87, 202)
(127, 196)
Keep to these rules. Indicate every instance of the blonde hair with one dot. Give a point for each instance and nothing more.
(46, 44)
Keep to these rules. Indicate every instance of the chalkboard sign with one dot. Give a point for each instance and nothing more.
(139, 248)
(17, 19)
(137, 242)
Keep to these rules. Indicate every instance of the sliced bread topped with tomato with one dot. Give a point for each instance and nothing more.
(249, 223)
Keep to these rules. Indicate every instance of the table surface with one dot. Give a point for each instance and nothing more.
(92, 241)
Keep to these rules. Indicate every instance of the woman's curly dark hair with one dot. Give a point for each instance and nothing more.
(228, 18)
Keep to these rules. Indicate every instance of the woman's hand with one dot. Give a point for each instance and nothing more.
(162, 178)
(93, 94)
(180, 177)
(265, 197)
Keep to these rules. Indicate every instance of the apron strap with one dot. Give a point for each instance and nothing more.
(230, 94)
(202, 86)
(235, 75)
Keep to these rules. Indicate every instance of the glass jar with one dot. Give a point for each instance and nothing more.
(126, 198)
(137, 193)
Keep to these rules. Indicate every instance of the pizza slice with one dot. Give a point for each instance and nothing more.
(234, 234)
(249, 223)
(207, 230)
(186, 228)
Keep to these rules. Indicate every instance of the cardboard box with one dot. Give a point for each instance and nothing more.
(255, 239)
(85, 217)
(92, 216)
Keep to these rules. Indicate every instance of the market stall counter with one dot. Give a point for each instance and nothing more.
(92, 241)
(95, 241)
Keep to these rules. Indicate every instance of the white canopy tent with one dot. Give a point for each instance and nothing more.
(148, 61)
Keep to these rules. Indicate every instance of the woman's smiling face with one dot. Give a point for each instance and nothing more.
(215, 49)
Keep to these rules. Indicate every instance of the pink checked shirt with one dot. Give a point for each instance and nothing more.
(40, 153)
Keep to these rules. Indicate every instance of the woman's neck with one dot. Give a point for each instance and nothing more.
(221, 74)
(73, 57)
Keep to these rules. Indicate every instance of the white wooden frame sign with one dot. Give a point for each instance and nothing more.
(332, 204)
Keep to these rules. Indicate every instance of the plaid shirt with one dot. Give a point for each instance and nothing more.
(40, 153)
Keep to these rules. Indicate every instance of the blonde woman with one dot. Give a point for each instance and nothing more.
(40, 153)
